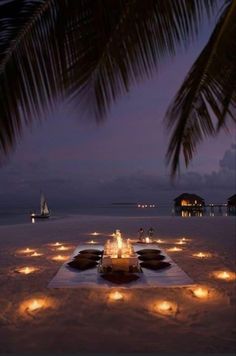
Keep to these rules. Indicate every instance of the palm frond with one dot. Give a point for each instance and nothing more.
(91, 50)
(207, 98)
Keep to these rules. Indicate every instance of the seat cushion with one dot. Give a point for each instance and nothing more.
(82, 264)
(151, 256)
(155, 265)
(93, 251)
(120, 278)
(148, 250)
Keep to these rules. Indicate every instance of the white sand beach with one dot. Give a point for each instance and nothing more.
(86, 320)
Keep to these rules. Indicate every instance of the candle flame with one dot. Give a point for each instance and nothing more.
(175, 249)
(59, 258)
(116, 296)
(27, 270)
(201, 292)
(36, 254)
(165, 307)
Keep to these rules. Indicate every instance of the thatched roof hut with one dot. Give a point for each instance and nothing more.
(189, 200)
(232, 201)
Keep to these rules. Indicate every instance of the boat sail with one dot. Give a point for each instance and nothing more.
(43, 206)
(44, 211)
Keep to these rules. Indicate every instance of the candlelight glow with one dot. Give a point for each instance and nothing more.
(202, 255)
(147, 240)
(63, 248)
(92, 242)
(26, 270)
(160, 241)
(201, 293)
(34, 305)
(59, 258)
(36, 254)
(165, 308)
(27, 250)
(57, 244)
(116, 296)
(225, 275)
(174, 249)
(95, 233)
(181, 242)
(33, 220)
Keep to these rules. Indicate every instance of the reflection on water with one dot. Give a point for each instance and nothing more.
(186, 213)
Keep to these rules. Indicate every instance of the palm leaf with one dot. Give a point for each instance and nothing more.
(207, 98)
(89, 50)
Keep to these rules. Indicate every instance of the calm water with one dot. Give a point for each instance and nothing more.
(22, 215)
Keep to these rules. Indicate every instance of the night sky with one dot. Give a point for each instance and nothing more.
(76, 162)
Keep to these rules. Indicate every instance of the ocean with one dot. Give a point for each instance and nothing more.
(21, 215)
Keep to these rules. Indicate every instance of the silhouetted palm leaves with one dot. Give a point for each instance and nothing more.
(92, 51)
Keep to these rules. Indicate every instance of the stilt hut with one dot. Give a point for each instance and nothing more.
(188, 204)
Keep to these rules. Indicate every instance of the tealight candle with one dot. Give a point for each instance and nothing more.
(92, 242)
(181, 242)
(201, 293)
(57, 244)
(59, 258)
(36, 254)
(165, 308)
(27, 270)
(62, 248)
(201, 255)
(175, 249)
(35, 304)
(225, 275)
(160, 241)
(28, 250)
(116, 296)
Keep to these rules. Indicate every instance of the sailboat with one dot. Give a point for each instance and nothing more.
(44, 211)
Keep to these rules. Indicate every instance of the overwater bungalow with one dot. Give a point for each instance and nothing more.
(231, 205)
(189, 204)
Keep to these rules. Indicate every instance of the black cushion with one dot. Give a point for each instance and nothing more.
(89, 256)
(155, 265)
(148, 250)
(82, 264)
(151, 256)
(120, 278)
(93, 251)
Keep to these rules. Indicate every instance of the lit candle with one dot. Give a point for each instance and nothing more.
(27, 270)
(147, 240)
(95, 233)
(160, 241)
(92, 242)
(201, 255)
(36, 254)
(175, 249)
(201, 293)
(57, 244)
(62, 248)
(181, 242)
(225, 275)
(116, 296)
(59, 258)
(165, 307)
(35, 304)
(28, 250)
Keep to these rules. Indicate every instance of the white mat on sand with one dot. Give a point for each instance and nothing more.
(172, 276)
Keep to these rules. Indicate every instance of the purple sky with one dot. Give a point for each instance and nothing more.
(123, 159)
